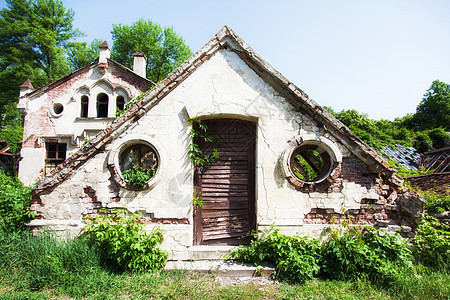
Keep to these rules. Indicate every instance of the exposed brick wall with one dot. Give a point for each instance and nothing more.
(91, 204)
(394, 207)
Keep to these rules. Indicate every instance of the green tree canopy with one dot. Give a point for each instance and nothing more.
(434, 110)
(80, 54)
(33, 36)
(164, 49)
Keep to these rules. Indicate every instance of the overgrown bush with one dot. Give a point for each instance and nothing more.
(15, 201)
(435, 202)
(432, 244)
(356, 253)
(296, 258)
(124, 244)
(349, 253)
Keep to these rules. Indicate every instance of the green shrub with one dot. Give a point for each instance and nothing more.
(15, 201)
(138, 176)
(432, 243)
(435, 202)
(346, 255)
(349, 253)
(124, 244)
(296, 258)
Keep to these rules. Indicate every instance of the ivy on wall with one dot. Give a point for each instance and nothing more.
(199, 131)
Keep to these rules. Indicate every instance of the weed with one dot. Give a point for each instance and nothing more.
(123, 242)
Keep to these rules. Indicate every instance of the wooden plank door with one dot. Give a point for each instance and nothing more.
(226, 186)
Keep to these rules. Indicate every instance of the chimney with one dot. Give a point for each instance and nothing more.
(25, 88)
(105, 53)
(139, 63)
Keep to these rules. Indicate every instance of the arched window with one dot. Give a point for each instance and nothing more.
(120, 102)
(102, 105)
(84, 106)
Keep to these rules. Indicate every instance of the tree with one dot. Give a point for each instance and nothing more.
(434, 110)
(164, 49)
(33, 37)
(80, 54)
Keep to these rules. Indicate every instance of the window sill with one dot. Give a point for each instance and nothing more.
(95, 119)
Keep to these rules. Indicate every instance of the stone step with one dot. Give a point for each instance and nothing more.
(222, 268)
(209, 252)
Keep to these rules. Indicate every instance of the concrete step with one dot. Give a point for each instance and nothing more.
(209, 252)
(223, 268)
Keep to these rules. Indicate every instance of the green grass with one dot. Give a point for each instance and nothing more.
(47, 267)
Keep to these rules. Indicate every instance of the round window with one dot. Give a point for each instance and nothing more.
(310, 160)
(57, 109)
(138, 164)
(309, 164)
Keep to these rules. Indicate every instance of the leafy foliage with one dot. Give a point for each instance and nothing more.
(434, 110)
(80, 54)
(129, 104)
(164, 49)
(124, 243)
(380, 133)
(198, 131)
(356, 253)
(296, 258)
(303, 168)
(350, 253)
(138, 176)
(15, 201)
(35, 262)
(432, 243)
(33, 36)
(435, 202)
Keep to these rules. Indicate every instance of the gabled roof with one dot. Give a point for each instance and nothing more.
(225, 38)
(83, 69)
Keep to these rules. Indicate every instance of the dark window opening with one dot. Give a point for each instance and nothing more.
(58, 108)
(84, 106)
(138, 164)
(120, 102)
(55, 154)
(310, 163)
(138, 156)
(102, 106)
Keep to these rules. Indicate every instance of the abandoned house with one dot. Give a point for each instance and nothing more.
(66, 113)
(227, 145)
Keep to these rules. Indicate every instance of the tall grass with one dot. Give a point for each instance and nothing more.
(31, 263)
(48, 267)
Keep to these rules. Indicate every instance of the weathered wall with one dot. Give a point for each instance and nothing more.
(41, 122)
(224, 86)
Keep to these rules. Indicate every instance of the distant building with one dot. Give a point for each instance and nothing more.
(63, 115)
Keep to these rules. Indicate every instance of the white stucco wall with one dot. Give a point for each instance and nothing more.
(224, 86)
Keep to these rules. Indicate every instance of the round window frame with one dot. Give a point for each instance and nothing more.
(52, 109)
(324, 144)
(114, 161)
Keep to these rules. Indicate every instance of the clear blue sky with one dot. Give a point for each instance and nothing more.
(376, 56)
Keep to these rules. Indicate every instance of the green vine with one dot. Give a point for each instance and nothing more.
(198, 131)
(129, 104)
(138, 176)
(197, 200)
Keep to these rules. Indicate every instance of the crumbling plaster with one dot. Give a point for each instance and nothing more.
(224, 86)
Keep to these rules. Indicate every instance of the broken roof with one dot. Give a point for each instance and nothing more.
(226, 38)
